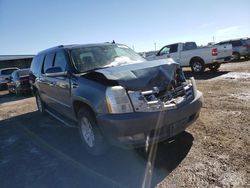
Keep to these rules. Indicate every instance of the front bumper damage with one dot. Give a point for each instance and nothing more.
(135, 129)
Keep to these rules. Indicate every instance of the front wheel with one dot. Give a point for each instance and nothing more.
(90, 134)
(214, 67)
(197, 66)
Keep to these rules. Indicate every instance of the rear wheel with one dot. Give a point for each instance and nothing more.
(214, 67)
(93, 141)
(236, 56)
(18, 93)
(197, 65)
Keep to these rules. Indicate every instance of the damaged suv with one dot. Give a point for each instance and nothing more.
(113, 95)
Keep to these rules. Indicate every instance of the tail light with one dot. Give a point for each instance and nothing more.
(247, 46)
(214, 51)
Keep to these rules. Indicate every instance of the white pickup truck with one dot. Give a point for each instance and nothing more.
(198, 58)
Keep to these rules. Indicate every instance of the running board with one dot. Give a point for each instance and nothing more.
(60, 119)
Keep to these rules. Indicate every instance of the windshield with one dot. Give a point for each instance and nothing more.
(89, 58)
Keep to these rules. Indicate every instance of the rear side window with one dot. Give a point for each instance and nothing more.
(48, 62)
(173, 48)
(227, 42)
(236, 43)
(61, 61)
(189, 46)
(36, 64)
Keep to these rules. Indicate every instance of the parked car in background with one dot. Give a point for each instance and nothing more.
(19, 82)
(241, 47)
(115, 95)
(198, 58)
(5, 76)
(146, 54)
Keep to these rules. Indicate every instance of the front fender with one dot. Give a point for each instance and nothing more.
(91, 93)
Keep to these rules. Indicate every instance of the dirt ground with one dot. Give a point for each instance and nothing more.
(38, 151)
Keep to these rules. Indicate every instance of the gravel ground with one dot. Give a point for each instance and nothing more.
(38, 151)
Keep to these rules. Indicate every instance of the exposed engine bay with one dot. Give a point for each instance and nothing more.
(150, 86)
(153, 100)
(176, 93)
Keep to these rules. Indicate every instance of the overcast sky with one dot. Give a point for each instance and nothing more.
(29, 26)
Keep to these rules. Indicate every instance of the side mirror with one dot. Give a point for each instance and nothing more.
(55, 72)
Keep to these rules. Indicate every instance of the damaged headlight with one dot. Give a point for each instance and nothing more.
(117, 100)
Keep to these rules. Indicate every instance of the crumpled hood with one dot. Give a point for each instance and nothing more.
(142, 76)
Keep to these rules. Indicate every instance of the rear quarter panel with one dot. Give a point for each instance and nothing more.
(224, 50)
(203, 53)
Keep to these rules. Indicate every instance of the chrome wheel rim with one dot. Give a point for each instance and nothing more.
(87, 132)
(39, 103)
(197, 66)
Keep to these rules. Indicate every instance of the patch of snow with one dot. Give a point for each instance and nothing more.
(122, 60)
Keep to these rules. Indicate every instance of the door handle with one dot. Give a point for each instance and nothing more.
(168, 56)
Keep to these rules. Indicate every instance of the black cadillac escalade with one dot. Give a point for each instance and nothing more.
(113, 95)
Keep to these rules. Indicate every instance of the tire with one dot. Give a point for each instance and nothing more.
(197, 66)
(93, 141)
(18, 93)
(10, 92)
(236, 56)
(39, 103)
(214, 67)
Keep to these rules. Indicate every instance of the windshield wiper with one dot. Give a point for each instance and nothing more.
(97, 68)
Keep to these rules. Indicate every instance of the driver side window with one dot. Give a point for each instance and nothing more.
(164, 50)
(60, 61)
